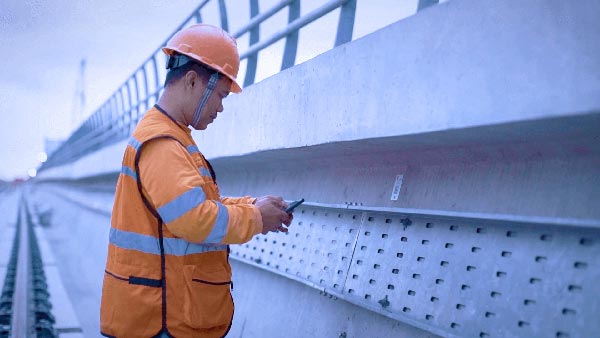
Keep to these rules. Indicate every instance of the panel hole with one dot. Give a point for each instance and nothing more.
(372, 281)
(580, 265)
(406, 309)
(395, 271)
(367, 233)
(471, 268)
(444, 263)
(363, 248)
(404, 239)
(561, 335)
(506, 253)
(411, 293)
(390, 287)
(388, 220)
(465, 287)
(434, 299)
(495, 294)
(354, 276)
(336, 286)
(483, 335)
(350, 291)
(481, 230)
(370, 219)
(475, 249)
(490, 315)
(586, 241)
(329, 255)
(453, 227)
(384, 236)
(500, 274)
(540, 259)
(350, 231)
(429, 225)
(353, 216)
(454, 325)
(460, 306)
(546, 238)
(567, 312)
(367, 296)
(428, 317)
(358, 261)
(416, 276)
(339, 272)
(511, 234)
(528, 302)
(424, 242)
(420, 259)
(399, 254)
(448, 245)
(321, 281)
(348, 245)
(376, 266)
(380, 251)
(523, 323)
(575, 288)
(439, 281)
(534, 280)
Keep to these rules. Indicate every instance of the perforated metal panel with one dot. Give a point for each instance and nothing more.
(454, 276)
(318, 246)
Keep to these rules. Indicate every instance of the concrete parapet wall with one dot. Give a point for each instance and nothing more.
(461, 64)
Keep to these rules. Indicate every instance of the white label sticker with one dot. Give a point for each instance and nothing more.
(397, 186)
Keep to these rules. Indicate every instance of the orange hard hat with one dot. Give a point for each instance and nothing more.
(208, 45)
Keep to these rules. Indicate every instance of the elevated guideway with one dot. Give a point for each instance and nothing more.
(451, 164)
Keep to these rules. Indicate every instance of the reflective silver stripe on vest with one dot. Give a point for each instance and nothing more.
(148, 244)
(182, 204)
(220, 227)
(205, 172)
(193, 149)
(133, 142)
(125, 170)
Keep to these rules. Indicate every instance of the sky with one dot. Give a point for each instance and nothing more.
(42, 44)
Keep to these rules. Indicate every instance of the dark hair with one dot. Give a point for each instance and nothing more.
(175, 74)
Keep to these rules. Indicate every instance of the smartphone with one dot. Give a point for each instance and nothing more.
(293, 206)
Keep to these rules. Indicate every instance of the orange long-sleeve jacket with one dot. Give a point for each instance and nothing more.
(167, 268)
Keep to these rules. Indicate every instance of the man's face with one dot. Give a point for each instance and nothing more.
(214, 105)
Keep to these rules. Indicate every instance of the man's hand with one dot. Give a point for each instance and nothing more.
(272, 210)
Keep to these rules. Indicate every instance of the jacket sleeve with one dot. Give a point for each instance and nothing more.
(187, 202)
(238, 200)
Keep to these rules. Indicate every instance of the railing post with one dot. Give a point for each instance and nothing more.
(426, 3)
(254, 36)
(223, 14)
(291, 41)
(346, 23)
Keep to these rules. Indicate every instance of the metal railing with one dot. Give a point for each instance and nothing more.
(115, 119)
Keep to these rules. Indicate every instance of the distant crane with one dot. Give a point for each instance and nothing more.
(78, 103)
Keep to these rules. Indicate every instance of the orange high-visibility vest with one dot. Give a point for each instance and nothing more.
(167, 268)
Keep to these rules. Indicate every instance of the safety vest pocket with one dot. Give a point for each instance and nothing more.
(127, 302)
(207, 301)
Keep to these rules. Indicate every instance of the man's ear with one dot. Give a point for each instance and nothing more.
(191, 78)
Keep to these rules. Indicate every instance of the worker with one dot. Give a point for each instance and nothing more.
(167, 271)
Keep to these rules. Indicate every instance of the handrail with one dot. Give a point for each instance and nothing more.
(117, 118)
